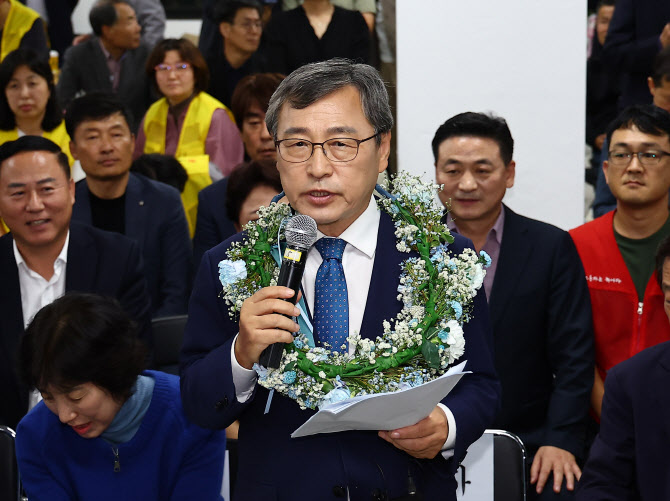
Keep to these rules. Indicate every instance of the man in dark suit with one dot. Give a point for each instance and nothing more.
(218, 384)
(112, 61)
(46, 255)
(114, 199)
(538, 299)
(629, 457)
(638, 31)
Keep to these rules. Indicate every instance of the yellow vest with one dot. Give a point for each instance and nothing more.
(190, 147)
(19, 21)
(58, 136)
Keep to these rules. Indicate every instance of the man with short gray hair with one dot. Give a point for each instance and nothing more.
(342, 108)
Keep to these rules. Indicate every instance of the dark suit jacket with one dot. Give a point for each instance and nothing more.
(97, 261)
(629, 459)
(155, 218)
(213, 225)
(542, 335)
(85, 70)
(274, 466)
(632, 43)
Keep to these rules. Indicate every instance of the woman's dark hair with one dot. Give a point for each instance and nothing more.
(256, 89)
(163, 168)
(37, 64)
(245, 178)
(82, 338)
(188, 52)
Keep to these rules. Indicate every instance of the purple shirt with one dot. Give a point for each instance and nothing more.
(223, 143)
(491, 247)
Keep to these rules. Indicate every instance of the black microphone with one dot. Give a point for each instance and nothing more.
(300, 236)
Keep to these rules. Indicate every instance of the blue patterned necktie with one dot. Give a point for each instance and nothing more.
(331, 305)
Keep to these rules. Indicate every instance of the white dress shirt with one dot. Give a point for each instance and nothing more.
(357, 260)
(37, 292)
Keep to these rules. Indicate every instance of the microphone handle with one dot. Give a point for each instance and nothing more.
(290, 275)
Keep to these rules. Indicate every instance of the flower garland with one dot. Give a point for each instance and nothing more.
(426, 337)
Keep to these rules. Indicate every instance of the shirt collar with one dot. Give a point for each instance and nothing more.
(496, 230)
(62, 257)
(108, 55)
(359, 234)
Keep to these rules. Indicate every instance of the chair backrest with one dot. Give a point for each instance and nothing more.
(168, 333)
(509, 466)
(494, 469)
(10, 487)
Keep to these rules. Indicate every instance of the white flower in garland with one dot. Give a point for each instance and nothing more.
(436, 289)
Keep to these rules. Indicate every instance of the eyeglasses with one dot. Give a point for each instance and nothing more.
(338, 149)
(166, 68)
(250, 25)
(649, 158)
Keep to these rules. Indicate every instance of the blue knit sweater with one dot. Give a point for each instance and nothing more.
(167, 459)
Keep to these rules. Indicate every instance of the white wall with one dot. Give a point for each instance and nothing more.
(523, 60)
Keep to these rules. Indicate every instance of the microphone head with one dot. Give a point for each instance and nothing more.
(301, 231)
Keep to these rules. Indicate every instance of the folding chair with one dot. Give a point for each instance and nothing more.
(509, 466)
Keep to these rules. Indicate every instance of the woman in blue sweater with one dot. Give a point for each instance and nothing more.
(106, 430)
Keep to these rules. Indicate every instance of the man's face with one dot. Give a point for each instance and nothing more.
(36, 198)
(474, 176)
(333, 193)
(244, 34)
(660, 93)
(603, 19)
(125, 33)
(257, 140)
(666, 286)
(104, 147)
(635, 184)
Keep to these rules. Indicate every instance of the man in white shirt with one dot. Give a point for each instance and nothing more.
(44, 255)
(317, 103)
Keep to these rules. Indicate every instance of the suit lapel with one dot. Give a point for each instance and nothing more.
(382, 303)
(11, 319)
(514, 252)
(81, 211)
(80, 269)
(136, 211)
(100, 68)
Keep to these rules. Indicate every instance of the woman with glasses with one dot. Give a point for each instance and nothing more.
(106, 429)
(187, 122)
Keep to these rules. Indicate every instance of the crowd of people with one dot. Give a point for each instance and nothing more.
(127, 177)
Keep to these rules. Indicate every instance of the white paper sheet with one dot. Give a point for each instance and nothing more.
(382, 411)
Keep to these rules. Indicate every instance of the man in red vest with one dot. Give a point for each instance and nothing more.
(617, 249)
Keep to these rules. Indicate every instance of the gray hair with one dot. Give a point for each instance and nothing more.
(314, 81)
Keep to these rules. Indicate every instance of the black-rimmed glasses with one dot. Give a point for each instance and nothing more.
(337, 149)
(649, 158)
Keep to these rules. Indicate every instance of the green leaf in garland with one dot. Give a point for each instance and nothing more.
(430, 352)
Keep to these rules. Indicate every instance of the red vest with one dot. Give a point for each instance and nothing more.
(622, 325)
